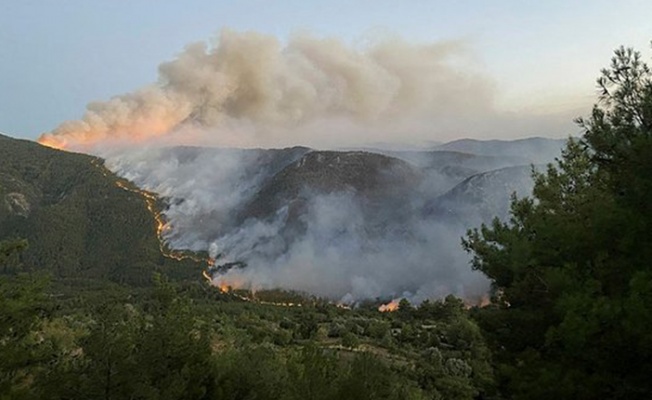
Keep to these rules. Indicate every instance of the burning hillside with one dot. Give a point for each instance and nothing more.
(344, 225)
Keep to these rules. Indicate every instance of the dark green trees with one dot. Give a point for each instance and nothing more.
(21, 303)
(157, 349)
(571, 269)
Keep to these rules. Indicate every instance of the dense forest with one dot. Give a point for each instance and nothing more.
(84, 224)
(570, 316)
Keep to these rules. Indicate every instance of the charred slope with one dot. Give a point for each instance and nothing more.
(79, 224)
(372, 178)
(345, 203)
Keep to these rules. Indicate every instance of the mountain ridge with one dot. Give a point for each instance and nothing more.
(74, 216)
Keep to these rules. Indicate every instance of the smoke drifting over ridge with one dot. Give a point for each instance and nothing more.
(345, 225)
(251, 89)
(332, 237)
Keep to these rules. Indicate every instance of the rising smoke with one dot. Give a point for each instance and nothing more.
(345, 245)
(251, 90)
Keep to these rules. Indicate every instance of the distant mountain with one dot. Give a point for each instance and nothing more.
(80, 225)
(481, 197)
(536, 150)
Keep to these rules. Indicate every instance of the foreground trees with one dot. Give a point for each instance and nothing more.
(21, 304)
(571, 269)
(185, 341)
(571, 315)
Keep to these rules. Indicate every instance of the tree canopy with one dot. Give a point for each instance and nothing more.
(571, 268)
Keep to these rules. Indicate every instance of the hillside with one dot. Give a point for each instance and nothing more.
(316, 221)
(80, 225)
(481, 197)
(372, 177)
(536, 150)
(203, 186)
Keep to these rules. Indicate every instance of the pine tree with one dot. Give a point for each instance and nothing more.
(571, 269)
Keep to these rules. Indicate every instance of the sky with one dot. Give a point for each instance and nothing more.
(541, 57)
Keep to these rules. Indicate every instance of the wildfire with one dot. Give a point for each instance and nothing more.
(226, 285)
(51, 141)
(229, 284)
(480, 302)
(389, 307)
(206, 276)
(161, 225)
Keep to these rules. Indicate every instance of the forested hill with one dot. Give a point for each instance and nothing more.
(80, 225)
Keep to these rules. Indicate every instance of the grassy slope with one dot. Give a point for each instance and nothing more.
(79, 224)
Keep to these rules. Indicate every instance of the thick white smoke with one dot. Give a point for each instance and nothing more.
(347, 249)
(337, 259)
(253, 90)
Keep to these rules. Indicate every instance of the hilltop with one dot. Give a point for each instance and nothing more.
(80, 225)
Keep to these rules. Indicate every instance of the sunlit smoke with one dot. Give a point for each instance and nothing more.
(250, 89)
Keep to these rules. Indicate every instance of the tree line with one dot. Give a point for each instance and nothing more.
(570, 317)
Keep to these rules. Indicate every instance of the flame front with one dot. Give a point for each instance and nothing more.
(480, 302)
(229, 282)
(161, 225)
(54, 142)
(224, 284)
(389, 307)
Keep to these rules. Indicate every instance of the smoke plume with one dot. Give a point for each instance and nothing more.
(253, 90)
(340, 242)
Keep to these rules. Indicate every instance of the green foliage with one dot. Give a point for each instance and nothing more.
(80, 224)
(307, 328)
(21, 308)
(174, 341)
(571, 268)
(313, 372)
(9, 252)
(350, 340)
(155, 352)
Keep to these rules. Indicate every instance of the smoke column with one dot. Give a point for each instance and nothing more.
(343, 245)
(250, 89)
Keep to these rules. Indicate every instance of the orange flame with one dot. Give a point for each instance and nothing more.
(480, 302)
(389, 307)
(52, 141)
(228, 284)
(161, 225)
(224, 284)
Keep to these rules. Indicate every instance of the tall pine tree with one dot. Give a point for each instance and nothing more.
(571, 270)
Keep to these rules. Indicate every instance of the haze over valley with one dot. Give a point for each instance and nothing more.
(349, 225)
(325, 200)
(346, 225)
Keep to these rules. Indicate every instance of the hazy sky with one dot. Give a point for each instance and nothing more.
(543, 56)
